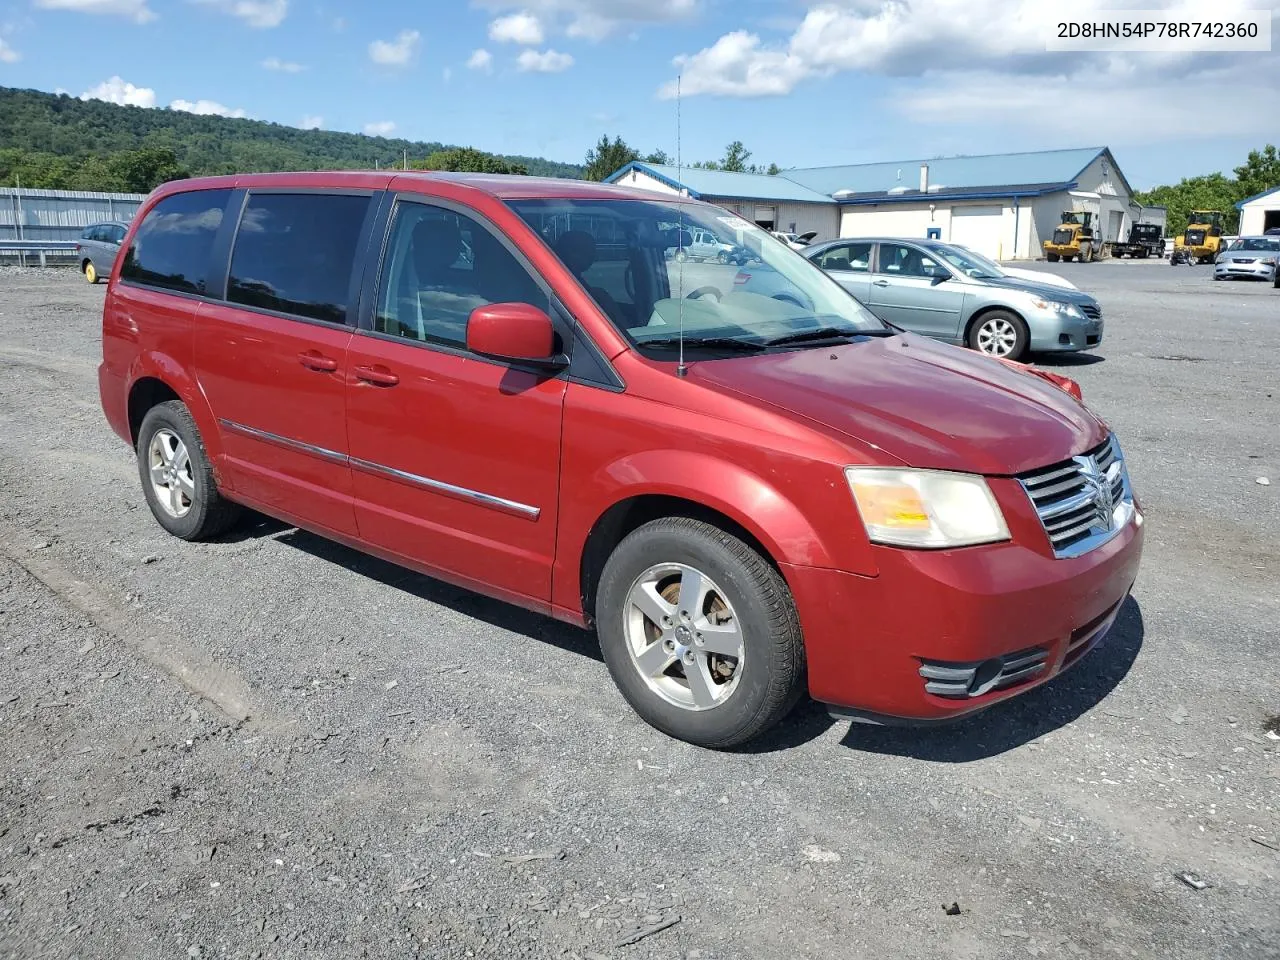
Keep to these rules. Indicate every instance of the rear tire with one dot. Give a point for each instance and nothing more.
(90, 271)
(177, 478)
(1000, 334)
(651, 633)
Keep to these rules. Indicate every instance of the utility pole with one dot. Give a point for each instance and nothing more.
(406, 159)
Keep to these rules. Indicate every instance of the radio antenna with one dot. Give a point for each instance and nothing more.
(681, 369)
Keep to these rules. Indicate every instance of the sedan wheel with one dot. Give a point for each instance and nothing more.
(90, 272)
(999, 335)
(683, 636)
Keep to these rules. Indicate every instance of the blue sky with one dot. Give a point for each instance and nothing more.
(801, 83)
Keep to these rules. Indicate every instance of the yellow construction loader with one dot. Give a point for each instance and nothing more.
(1073, 239)
(1202, 239)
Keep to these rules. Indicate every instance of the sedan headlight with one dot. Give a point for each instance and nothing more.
(925, 508)
(1057, 306)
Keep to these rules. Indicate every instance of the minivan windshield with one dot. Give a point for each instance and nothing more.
(664, 271)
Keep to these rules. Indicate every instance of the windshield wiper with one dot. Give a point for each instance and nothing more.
(825, 333)
(727, 343)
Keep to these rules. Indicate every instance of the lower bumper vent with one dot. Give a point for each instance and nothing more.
(962, 681)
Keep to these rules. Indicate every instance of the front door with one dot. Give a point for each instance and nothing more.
(455, 458)
(849, 264)
(272, 360)
(913, 290)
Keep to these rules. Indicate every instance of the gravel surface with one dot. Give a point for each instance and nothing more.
(274, 746)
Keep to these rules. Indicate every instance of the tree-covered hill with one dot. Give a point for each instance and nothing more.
(57, 141)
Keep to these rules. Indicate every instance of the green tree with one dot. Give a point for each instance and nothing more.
(1259, 173)
(470, 160)
(735, 158)
(608, 156)
(773, 170)
(141, 171)
(1211, 192)
(658, 156)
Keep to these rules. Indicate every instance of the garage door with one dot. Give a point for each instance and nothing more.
(978, 228)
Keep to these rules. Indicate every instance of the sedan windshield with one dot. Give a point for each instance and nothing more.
(666, 272)
(969, 263)
(1265, 244)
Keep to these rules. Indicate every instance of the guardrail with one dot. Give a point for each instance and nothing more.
(41, 247)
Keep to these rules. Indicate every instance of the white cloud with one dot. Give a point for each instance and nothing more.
(312, 122)
(517, 28)
(380, 128)
(122, 92)
(206, 108)
(256, 13)
(282, 66)
(135, 10)
(597, 19)
(548, 61)
(737, 65)
(397, 52)
(7, 53)
(934, 45)
(481, 60)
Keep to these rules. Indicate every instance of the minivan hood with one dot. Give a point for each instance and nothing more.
(925, 403)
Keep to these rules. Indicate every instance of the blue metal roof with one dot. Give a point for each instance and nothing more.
(1257, 196)
(995, 170)
(724, 184)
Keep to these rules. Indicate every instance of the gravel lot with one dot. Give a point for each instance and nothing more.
(428, 773)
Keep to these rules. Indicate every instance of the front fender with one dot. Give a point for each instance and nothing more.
(768, 512)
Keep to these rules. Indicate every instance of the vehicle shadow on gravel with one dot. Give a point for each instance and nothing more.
(494, 612)
(1004, 727)
(1065, 359)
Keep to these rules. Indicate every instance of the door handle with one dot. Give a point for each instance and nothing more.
(378, 375)
(313, 360)
(879, 283)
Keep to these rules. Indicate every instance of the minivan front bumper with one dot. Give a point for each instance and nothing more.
(941, 634)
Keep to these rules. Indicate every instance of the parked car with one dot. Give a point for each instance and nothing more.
(796, 241)
(97, 248)
(1249, 258)
(942, 291)
(746, 498)
(1018, 273)
(705, 245)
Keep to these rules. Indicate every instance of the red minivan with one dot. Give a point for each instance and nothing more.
(520, 386)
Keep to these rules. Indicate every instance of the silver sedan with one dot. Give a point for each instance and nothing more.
(1249, 258)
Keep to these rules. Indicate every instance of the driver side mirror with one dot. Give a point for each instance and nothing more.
(513, 331)
(939, 277)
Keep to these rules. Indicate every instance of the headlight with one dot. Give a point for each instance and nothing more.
(1057, 306)
(925, 508)
(1270, 261)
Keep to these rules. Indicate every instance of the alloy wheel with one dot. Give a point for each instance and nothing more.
(172, 479)
(997, 337)
(683, 636)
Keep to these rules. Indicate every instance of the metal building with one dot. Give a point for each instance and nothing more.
(60, 214)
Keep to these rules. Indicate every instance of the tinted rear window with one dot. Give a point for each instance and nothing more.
(294, 253)
(173, 245)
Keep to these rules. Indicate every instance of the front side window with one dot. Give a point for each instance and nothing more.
(174, 244)
(439, 266)
(625, 254)
(294, 253)
(900, 260)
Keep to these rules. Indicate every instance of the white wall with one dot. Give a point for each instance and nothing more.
(822, 217)
(635, 178)
(1010, 238)
(1253, 215)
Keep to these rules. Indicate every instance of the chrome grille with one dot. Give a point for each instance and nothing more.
(1082, 502)
(967, 680)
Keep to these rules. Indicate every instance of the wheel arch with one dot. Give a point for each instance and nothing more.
(156, 378)
(987, 310)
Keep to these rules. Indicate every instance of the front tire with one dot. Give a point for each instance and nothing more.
(700, 633)
(1052, 257)
(1000, 334)
(177, 478)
